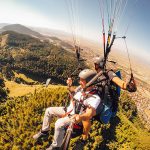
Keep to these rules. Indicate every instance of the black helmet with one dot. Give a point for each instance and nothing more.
(99, 61)
(87, 74)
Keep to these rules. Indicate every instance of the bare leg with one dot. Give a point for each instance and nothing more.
(86, 129)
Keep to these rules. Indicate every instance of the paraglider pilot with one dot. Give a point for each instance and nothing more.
(129, 85)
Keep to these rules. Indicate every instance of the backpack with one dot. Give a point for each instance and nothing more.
(109, 93)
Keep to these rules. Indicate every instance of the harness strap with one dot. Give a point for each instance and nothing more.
(67, 113)
(90, 94)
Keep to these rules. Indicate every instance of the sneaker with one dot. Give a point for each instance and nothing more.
(53, 148)
(40, 135)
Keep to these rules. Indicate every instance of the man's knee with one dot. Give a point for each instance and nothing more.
(48, 111)
(59, 124)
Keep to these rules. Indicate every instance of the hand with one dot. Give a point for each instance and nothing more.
(77, 118)
(69, 82)
(131, 85)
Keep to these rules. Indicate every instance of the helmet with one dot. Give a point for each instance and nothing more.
(99, 61)
(87, 74)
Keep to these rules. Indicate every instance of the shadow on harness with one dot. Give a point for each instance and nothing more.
(109, 94)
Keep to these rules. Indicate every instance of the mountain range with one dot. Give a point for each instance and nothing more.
(40, 33)
(20, 29)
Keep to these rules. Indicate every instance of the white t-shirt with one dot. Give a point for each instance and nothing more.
(93, 101)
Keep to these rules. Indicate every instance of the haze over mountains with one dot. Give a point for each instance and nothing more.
(20, 29)
(3, 24)
(91, 48)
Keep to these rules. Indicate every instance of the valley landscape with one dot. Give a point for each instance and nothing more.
(29, 56)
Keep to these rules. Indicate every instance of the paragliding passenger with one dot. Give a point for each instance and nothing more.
(84, 114)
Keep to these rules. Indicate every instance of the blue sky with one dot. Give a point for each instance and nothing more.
(54, 14)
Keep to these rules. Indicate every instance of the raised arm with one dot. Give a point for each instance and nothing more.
(129, 86)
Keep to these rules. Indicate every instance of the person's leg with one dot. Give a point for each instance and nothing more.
(86, 129)
(60, 131)
(49, 113)
(83, 141)
(87, 125)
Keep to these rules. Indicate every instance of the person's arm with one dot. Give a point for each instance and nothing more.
(89, 113)
(120, 82)
(71, 88)
(85, 119)
(114, 78)
(129, 86)
(69, 84)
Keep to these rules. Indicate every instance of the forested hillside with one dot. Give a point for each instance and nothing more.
(35, 58)
(3, 90)
(21, 118)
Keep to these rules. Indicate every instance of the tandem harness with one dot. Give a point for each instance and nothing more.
(78, 105)
(109, 93)
(79, 108)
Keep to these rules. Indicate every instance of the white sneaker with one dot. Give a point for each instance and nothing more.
(53, 148)
(39, 135)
